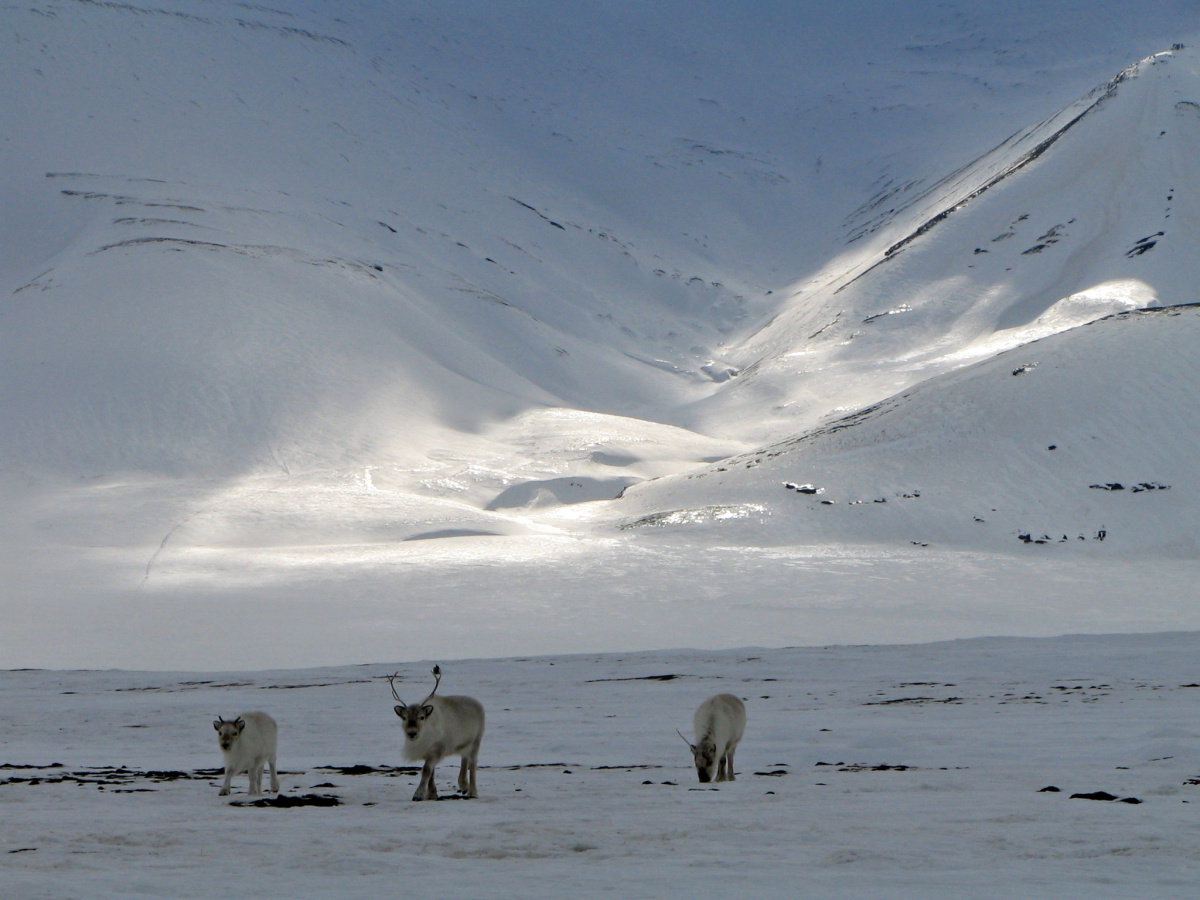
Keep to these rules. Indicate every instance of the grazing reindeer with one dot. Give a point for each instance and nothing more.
(438, 727)
(247, 742)
(718, 723)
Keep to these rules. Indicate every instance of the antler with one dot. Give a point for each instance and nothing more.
(685, 740)
(392, 682)
(437, 679)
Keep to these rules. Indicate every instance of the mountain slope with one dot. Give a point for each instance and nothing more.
(1087, 213)
(236, 236)
(1079, 443)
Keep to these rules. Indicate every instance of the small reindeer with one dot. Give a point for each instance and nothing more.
(248, 742)
(718, 724)
(438, 727)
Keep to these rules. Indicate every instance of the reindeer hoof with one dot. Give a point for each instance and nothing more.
(224, 792)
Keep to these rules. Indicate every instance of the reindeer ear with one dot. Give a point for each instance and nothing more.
(426, 711)
(400, 709)
(217, 724)
(240, 723)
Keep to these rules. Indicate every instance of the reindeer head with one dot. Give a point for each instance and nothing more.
(413, 716)
(228, 732)
(704, 755)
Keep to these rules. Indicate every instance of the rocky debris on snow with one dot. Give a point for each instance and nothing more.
(1136, 489)
(628, 768)
(1028, 538)
(1144, 245)
(903, 308)
(803, 488)
(288, 802)
(913, 700)
(1105, 796)
(361, 769)
(1052, 236)
(108, 776)
(882, 767)
(30, 768)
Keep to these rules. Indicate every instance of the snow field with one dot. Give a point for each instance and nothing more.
(910, 771)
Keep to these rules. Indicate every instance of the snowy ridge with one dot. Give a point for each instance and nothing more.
(1021, 244)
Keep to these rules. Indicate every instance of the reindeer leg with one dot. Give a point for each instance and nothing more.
(426, 790)
(729, 762)
(274, 776)
(466, 778)
(225, 786)
(255, 775)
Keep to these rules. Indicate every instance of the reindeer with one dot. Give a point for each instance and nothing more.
(438, 727)
(718, 724)
(248, 742)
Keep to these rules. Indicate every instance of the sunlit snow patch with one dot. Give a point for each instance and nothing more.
(699, 516)
(556, 491)
(1080, 308)
(1102, 300)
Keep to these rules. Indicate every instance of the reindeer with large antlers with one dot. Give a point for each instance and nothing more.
(438, 727)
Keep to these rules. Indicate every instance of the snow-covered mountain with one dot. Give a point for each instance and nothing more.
(367, 299)
(1055, 230)
(1074, 218)
(1084, 440)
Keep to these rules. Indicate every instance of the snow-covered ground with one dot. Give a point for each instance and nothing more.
(901, 771)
